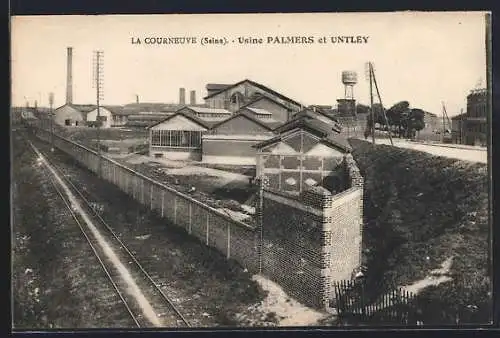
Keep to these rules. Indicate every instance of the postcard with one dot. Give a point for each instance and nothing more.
(251, 170)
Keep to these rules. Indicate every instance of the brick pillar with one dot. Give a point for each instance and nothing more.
(326, 256)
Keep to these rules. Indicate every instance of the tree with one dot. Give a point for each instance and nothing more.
(397, 116)
(362, 109)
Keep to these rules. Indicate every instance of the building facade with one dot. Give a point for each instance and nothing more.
(306, 153)
(179, 136)
(72, 115)
(476, 122)
(235, 96)
(110, 116)
(232, 141)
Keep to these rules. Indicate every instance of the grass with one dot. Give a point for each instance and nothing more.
(86, 135)
(420, 210)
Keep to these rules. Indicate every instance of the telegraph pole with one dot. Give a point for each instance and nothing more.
(382, 105)
(98, 83)
(371, 102)
(51, 116)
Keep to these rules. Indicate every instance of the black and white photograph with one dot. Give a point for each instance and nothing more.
(185, 171)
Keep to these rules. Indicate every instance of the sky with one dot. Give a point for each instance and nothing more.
(424, 58)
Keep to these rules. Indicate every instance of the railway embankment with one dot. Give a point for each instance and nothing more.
(56, 282)
(422, 210)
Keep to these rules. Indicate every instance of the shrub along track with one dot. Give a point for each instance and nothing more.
(207, 289)
(57, 282)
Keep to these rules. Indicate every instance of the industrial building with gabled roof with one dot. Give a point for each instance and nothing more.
(231, 141)
(307, 152)
(109, 115)
(237, 95)
(179, 136)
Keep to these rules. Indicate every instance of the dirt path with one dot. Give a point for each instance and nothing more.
(435, 277)
(133, 289)
(289, 311)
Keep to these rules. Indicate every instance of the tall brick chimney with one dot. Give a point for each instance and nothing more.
(192, 97)
(182, 96)
(69, 77)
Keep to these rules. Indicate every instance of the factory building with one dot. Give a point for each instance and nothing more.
(237, 95)
(231, 141)
(179, 136)
(306, 152)
(110, 116)
(72, 115)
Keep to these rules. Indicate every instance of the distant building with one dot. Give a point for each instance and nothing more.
(306, 152)
(431, 122)
(110, 116)
(476, 125)
(72, 115)
(457, 128)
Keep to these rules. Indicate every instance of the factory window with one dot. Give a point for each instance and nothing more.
(176, 138)
(67, 122)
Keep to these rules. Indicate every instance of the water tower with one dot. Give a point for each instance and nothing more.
(347, 105)
(349, 79)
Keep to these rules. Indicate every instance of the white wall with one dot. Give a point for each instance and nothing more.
(92, 116)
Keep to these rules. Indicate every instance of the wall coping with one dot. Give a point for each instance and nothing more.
(292, 201)
(340, 196)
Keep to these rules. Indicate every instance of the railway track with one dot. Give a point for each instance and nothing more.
(142, 296)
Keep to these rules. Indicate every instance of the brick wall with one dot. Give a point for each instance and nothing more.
(312, 239)
(236, 240)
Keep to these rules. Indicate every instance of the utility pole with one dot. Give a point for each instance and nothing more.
(372, 115)
(382, 105)
(99, 81)
(51, 116)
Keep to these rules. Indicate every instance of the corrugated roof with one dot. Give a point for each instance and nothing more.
(206, 110)
(264, 97)
(323, 130)
(188, 114)
(248, 116)
(259, 111)
(84, 108)
(216, 86)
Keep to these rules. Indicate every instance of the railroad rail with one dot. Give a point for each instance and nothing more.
(150, 307)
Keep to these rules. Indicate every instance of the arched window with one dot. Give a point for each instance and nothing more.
(236, 98)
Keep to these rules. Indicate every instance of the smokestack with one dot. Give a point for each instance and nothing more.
(136, 98)
(69, 79)
(182, 96)
(192, 97)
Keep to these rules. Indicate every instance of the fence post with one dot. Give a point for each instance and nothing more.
(228, 251)
(207, 227)
(162, 201)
